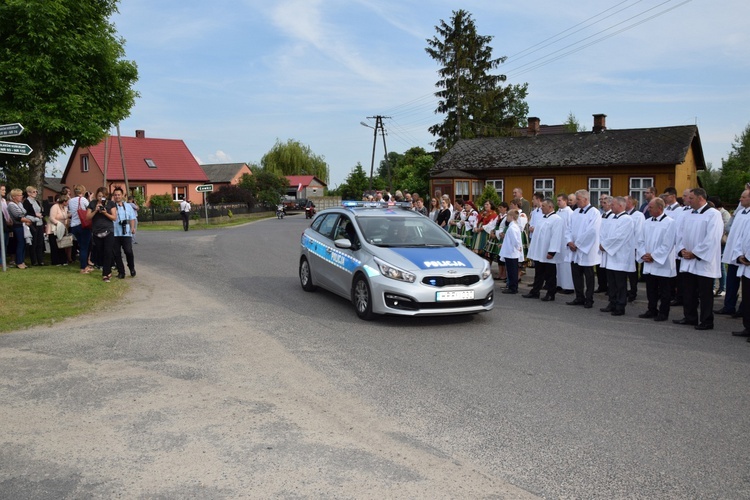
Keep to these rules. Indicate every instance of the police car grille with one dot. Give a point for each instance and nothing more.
(440, 281)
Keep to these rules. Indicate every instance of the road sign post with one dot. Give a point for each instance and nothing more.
(11, 130)
(205, 188)
(15, 148)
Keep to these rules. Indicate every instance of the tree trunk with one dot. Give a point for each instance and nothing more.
(37, 163)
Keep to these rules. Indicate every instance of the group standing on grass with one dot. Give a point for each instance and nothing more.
(97, 229)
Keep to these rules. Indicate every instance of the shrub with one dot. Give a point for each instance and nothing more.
(161, 201)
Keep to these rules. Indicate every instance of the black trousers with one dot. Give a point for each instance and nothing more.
(104, 246)
(676, 283)
(545, 277)
(746, 310)
(124, 244)
(658, 293)
(583, 275)
(633, 283)
(511, 266)
(601, 278)
(698, 298)
(36, 252)
(617, 289)
(185, 220)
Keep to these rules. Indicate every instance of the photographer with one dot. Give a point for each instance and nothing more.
(102, 214)
(124, 233)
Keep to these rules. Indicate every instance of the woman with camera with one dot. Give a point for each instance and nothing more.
(102, 213)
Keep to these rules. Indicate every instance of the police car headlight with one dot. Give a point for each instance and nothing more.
(395, 273)
(486, 271)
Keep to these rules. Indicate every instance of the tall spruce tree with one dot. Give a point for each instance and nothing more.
(473, 99)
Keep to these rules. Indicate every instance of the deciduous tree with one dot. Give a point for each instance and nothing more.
(294, 158)
(62, 74)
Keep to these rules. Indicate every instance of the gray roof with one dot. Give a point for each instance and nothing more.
(54, 183)
(629, 147)
(222, 172)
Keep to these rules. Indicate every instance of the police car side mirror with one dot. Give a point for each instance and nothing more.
(456, 241)
(343, 243)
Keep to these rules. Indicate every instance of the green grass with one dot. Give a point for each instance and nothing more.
(200, 224)
(45, 295)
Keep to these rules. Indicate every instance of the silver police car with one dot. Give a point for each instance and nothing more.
(390, 260)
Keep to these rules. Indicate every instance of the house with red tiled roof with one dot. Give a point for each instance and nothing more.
(151, 166)
(305, 186)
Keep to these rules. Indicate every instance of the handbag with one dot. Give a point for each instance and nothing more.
(85, 223)
(65, 242)
(103, 234)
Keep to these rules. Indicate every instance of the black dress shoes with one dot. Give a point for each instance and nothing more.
(509, 291)
(600, 290)
(675, 303)
(743, 333)
(618, 313)
(530, 295)
(607, 309)
(567, 292)
(631, 298)
(704, 327)
(647, 314)
(132, 273)
(737, 315)
(588, 305)
(121, 276)
(661, 317)
(575, 303)
(684, 321)
(723, 311)
(548, 298)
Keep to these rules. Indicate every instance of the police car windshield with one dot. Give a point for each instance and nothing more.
(403, 232)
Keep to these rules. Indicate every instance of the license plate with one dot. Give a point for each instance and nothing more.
(455, 295)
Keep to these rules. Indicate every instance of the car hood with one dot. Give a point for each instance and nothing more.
(423, 258)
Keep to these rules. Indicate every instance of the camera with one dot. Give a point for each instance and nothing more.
(124, 225)
(102, 208)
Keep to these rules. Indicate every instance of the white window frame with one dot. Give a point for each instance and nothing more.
(546, 186)
(84, 163)
(462, 189)
(638, 188)
(476, 189)
(596, 191)
(498, 185)
(179, 190)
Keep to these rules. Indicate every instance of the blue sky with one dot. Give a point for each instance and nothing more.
(230, 77)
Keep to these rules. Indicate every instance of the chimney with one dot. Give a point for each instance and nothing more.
(533, 125)
(141, 134)
(600, 123)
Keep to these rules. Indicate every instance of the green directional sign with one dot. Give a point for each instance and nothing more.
(14, 148)
(10, 130)
(205, 188)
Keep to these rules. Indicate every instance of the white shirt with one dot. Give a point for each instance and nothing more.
(548, 238)
(184, 206)
(585, 224)
(512, 246)
(700, 233)
(619, 244)
(733, 246)
(657, 239)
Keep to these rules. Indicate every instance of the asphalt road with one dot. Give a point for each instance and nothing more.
(219, 377)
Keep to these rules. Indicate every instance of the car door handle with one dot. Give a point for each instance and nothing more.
(329, 250)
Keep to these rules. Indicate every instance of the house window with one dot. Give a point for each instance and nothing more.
(179, 193)
(545, 186)
(138, 190)
(462, 189)
(84, 163)
(597, 187)
(499, 186)
(476, 189)
(638, 187)
(150, 163)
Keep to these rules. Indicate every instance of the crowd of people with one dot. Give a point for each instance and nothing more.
(689, 250)
(93, 229)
